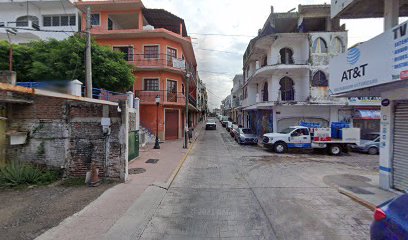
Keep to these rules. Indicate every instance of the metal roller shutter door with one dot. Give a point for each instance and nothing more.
(400, 158)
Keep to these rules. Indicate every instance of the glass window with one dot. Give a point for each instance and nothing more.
(286, 55)
(151, 84)
(55, 20)
(47, 21)
(64, 20)
(338, 46)
(151, 51)
(95, 19)
(247, 131)
(287, 130)
(287, 89)
(72, 20)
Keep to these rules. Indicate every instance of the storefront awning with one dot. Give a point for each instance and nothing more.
(366, 114)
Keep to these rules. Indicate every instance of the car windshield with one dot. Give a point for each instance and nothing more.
(246, 131)
(370, 137)
(287, 130)
(210, 121)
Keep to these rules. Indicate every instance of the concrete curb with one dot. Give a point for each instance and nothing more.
(357, 199)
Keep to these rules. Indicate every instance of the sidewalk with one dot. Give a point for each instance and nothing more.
(137, 197)
(366, 191)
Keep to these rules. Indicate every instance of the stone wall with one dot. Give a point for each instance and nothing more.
(68, 134)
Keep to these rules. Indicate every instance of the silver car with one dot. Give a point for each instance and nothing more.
(246, 136)
(369, 143)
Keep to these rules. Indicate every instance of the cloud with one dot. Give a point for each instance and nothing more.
(237, 17)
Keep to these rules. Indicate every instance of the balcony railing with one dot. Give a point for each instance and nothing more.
(157, 61)
(165, 97)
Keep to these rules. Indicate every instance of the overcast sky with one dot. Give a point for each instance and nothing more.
(220, 57)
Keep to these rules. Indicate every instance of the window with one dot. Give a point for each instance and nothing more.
(171, 91)
(151, 51)
(23, 21)
(95, 19)
(128, 52)
(59, 20)
(265, 92)
(286, 55)
(151, 84)
(338, 45)
(110, 24)
(287, 90)
(171, 53)
(319, 46)
(320, 80)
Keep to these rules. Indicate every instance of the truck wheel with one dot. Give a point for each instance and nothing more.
(280, 147)
(373, 151)
(335, 149)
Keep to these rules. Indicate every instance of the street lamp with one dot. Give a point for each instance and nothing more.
(157, 145)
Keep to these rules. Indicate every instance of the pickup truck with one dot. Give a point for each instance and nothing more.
(311, 138)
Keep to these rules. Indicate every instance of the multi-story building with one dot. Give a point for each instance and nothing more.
(286, 71)
(156, 43)
(226, 106)
(202, 100)
(30, 16)
(236, 95)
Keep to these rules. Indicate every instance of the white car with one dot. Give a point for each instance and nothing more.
(210, 124)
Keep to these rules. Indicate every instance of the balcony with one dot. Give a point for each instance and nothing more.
(166, 97)
(156, 62)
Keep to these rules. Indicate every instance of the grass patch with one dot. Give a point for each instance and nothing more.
(17, 175)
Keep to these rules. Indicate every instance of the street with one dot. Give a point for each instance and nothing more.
(227, 191)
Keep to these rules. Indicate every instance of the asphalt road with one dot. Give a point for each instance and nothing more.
(227, 191)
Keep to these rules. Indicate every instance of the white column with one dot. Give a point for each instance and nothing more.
(130, 97)
(75, 88)
(391, 13)
(386, 143)
(136, 105)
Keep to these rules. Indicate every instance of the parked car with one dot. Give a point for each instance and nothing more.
(228, 126)
(391, 219)
(246, 136)
(234, 130)
(224, 120)
(369, 143)
(210, 124)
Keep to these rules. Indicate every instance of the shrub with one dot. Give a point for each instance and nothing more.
(16, 174)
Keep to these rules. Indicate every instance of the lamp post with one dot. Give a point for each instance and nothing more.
(157, 145)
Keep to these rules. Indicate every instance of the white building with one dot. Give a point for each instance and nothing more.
(236, 95)
(48, 15)
(286, 71)
(379, 68)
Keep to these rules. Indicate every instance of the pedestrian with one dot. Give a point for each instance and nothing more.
(190, 132)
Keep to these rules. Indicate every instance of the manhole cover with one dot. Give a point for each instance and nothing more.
(137, 170)
(152, 161)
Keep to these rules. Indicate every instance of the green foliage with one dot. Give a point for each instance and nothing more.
(65, 60)
(17, 174)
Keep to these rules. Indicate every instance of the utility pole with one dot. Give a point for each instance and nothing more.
(88, 54)
(187, 100)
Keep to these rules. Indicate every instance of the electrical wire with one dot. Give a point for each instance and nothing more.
(223, 35)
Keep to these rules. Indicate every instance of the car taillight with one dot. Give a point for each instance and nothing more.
(379, 214)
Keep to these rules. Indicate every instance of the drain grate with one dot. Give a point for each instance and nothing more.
(152, 161)
(137, 170)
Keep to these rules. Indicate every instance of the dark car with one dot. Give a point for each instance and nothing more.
(391, 219)
(246, 136)
(210, 124)
(234, 130)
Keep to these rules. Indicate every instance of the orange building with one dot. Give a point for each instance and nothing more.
(156, 43)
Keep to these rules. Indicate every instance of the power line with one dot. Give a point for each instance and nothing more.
(221, 51)
(223, 35)
(221, 73)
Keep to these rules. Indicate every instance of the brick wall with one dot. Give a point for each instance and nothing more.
(68, 134)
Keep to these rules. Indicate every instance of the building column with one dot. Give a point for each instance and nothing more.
(391, 13)
(140, 19)
(386, 148)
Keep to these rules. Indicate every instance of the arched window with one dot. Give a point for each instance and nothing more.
(338, 46)
(287, 90)
(286, 55)
(319, 80)
(319, 46)
(265, 92)
(23, 21)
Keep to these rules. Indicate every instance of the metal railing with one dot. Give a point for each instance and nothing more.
(157, 60)
(165, 96)
(102, 94)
